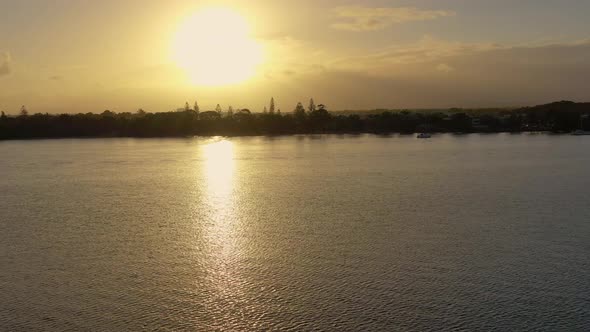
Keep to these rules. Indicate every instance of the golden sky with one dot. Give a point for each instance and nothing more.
(88, 56)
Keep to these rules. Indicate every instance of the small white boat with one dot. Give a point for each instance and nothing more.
(580, 132)
(424, 135)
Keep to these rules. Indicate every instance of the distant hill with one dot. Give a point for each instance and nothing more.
(561, 116)
(559, 106)
(470, 111)
(562, 106)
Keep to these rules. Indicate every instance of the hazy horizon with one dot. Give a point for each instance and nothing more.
(87, 56)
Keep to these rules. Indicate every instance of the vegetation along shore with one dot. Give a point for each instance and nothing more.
(558, 117)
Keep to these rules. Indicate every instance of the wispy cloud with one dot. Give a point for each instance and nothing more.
(355, 18)
(290, 58)
(5, 63)
(430, 52)
(445, 68)
(426, 50)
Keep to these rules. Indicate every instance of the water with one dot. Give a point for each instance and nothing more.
(477, 232)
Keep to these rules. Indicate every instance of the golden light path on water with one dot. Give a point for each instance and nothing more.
(221, 231)
(219, 169)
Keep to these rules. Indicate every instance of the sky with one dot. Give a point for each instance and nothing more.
(88, 56)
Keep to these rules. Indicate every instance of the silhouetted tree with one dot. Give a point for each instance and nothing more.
(460, 122)
(23, 111)
(186, 107)
(197, 109)
(218, 108)
(300, 117)
(210, 115)
(272, 106)
(265, 110)
(319, 118)
(311, 107)
(230, 112)
(299, 111)
(558, 117)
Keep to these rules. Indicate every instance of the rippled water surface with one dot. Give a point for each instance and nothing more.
(334, 233)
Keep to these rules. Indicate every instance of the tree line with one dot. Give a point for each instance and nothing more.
(562, 116)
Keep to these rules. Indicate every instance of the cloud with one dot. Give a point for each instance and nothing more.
(445, 68)
(483, 74)
(56, 78)
(356, 18)
(430, 56)
(5, 63)
(427, 50)
(290, 58)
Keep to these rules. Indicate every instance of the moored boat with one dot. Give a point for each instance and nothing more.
(581, 132)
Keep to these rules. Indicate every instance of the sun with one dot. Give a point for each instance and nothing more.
(214, 48)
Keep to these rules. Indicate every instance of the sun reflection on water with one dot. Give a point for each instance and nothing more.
(222, 229)
(219, 170)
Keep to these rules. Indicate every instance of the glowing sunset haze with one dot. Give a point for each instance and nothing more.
(79, 56)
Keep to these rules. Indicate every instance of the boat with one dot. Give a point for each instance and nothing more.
(424, 135)
(581, 132)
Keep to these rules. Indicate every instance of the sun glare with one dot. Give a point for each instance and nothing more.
(219, 168)
(215, 48)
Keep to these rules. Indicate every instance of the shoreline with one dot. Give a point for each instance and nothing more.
(352, 134)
